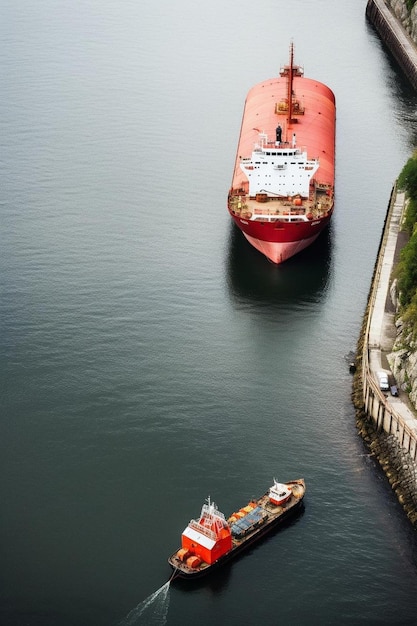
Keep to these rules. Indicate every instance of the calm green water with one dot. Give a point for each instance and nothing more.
(149, 356)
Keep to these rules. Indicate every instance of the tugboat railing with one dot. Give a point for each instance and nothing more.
(202, 529)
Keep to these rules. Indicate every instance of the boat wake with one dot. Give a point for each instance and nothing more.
(152, 611)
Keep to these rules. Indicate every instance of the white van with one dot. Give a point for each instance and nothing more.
(383, 381)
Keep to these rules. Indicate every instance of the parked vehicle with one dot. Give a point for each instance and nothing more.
(383, 381)
(394, 390)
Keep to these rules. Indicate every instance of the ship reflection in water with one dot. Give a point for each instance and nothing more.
(302, 279)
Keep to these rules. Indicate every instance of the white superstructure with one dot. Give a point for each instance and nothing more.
(278, 169)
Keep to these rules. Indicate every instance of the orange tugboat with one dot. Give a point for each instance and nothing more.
(282, 193)
(211, 540)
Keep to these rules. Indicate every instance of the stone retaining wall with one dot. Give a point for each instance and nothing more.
(397, 29)
(380, 422)
(391, 442)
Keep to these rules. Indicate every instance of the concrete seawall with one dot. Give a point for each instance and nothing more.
(394, 37)
(390, 414)
(388, 424)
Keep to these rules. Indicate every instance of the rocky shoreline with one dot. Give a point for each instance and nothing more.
(407, 19)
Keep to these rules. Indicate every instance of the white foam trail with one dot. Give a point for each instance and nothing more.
(152, 611)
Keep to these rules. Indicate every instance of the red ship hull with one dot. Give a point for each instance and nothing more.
(277, 222)
(280, 245)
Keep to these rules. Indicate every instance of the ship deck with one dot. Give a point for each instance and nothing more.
(265, 208)
(315, 128)
(275, 513)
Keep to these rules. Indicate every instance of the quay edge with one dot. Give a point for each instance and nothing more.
(394, 37)
(388, 425)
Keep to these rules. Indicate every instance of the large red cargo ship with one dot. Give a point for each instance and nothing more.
(282, 193)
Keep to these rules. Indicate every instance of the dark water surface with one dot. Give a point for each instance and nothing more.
(149, 356)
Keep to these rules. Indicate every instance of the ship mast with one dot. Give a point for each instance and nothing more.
(290, 80)
(292, 107)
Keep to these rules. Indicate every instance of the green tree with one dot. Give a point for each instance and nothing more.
(407, 180)
(410, 217)
(407, 272)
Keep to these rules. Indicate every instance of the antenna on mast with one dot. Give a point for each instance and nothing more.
(292, 107)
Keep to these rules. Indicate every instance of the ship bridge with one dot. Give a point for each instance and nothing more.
(279, 169)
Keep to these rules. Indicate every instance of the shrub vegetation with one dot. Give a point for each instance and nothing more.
(406, 271)
(410, 4)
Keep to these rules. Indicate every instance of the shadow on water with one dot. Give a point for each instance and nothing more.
(303, 278)
(216, 582)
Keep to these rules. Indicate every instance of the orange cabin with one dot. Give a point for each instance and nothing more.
(209, 537)
(209, 549)
(205, 543)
